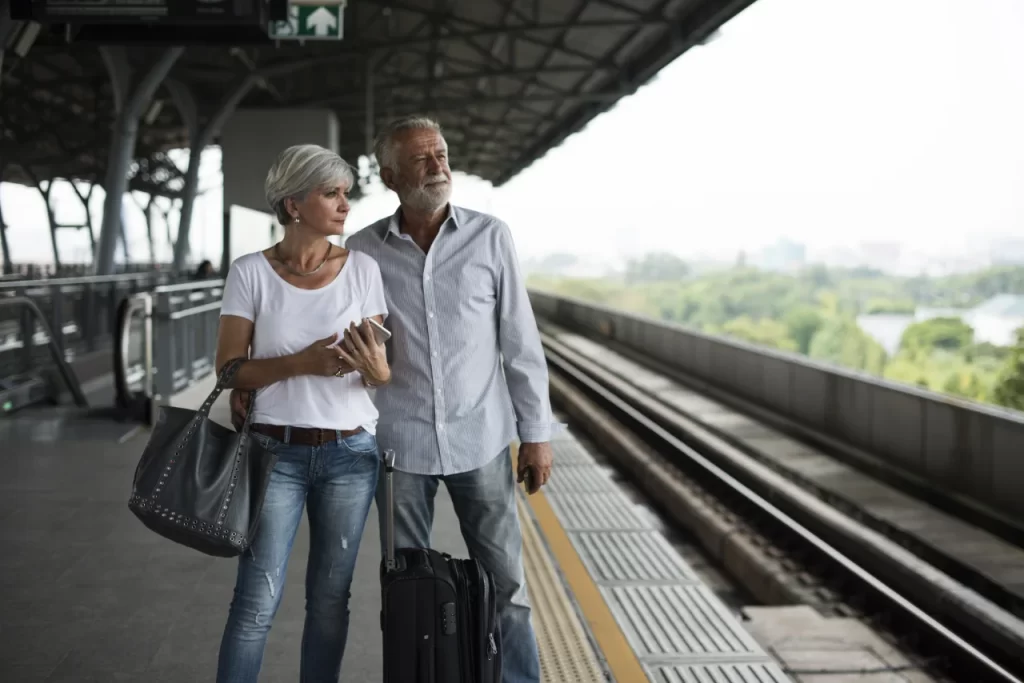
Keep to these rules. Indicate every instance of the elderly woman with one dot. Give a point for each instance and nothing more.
(284, 308)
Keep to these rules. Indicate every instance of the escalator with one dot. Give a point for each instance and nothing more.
(133, 360)
(36, 374)
(35, 379)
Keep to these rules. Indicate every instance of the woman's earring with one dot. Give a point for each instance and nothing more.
(296, 219)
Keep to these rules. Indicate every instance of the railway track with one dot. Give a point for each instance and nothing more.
(952, 630)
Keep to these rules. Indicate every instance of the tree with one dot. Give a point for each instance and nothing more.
(803, 323)
(880, 305)
(965, 382)
(907, 370)
(842, 342)
(1009, 389)
(657, 267)
(947, 334)
(763, 332)
(982, 351)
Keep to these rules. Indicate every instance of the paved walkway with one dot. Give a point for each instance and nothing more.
(90, 595)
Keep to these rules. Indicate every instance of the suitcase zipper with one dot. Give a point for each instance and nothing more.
(465, 627)
(489, 618)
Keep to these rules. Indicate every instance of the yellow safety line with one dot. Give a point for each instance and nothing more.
(621, 659)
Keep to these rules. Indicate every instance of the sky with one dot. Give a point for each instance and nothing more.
(830, 122)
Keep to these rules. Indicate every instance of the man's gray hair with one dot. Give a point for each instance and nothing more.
(299, 170)
(384, 145)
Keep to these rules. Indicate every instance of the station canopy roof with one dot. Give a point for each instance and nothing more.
(508, 80)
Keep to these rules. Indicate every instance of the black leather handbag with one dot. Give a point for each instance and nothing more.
(199, 483)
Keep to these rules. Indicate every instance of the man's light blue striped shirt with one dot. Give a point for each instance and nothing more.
(468, 373)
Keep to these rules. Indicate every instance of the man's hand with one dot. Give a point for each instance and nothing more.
(239, 400)
(534, 466)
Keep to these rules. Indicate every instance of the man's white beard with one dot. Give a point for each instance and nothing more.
(428, 198)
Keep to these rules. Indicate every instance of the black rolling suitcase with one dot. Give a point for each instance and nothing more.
(438, 614)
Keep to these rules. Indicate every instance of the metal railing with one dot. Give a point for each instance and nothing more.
(178, 343)
(42, 271)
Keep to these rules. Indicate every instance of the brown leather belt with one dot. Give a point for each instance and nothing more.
(304, 436)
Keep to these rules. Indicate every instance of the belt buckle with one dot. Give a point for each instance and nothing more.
(318, 437)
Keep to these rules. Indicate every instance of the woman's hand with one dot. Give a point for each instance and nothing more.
(239, 401)
(361, 350)
(322, 359)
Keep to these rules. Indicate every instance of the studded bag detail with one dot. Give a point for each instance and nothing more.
(199, 483)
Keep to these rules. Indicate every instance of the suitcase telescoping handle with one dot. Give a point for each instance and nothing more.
(389, 505)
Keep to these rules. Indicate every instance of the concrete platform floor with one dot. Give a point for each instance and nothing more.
(89, 595)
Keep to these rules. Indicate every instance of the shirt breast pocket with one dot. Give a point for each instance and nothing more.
(476, 290)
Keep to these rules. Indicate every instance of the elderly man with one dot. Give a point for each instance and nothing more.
(468, 372)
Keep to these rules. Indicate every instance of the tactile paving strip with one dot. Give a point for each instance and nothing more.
(718, 673)
(566, 655)
(630, 556)
(580, 479)
(678, 629)
(569, 453)
(680, 622)
(595, 512)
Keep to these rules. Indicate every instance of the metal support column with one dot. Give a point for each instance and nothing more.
(225, 257)
(7, 24)
(370, 122)
(200, 140)
(51, 217)
(5, 250)
(84, 198)
(130, 104)
(147, 211)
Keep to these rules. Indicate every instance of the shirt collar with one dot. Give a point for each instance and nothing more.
(393, 226)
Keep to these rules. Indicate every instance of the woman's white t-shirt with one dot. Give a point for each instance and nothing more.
(287, 319)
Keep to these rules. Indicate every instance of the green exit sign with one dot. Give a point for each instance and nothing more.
(321, 21)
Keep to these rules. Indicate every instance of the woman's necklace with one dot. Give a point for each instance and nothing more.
(277, 253)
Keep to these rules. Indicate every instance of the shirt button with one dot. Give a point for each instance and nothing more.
(430, 314)
(440, 426)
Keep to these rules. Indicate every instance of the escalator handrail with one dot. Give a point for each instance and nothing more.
(66, 371)
(137, 302)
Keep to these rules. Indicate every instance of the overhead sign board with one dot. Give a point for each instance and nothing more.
(157, 22)
(311, 20)
(158, 11)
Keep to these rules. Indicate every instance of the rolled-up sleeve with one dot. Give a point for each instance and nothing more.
(526, 370)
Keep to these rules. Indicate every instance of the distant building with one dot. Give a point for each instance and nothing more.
(884, 256)
(1007, 252)
(784, 256)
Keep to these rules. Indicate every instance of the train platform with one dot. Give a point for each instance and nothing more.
(91, 595)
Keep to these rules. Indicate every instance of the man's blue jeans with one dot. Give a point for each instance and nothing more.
(337, 480)
(485, 502)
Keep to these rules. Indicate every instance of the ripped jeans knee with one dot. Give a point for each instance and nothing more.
(258, 592)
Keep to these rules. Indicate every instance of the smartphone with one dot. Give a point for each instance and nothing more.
(380, 333)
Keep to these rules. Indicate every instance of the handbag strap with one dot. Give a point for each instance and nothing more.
(226, 375)
(230, 368)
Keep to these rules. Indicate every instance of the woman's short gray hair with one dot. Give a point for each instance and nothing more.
(384, 145)
(299, 170)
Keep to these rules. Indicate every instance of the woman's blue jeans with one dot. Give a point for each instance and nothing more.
(337, 481)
